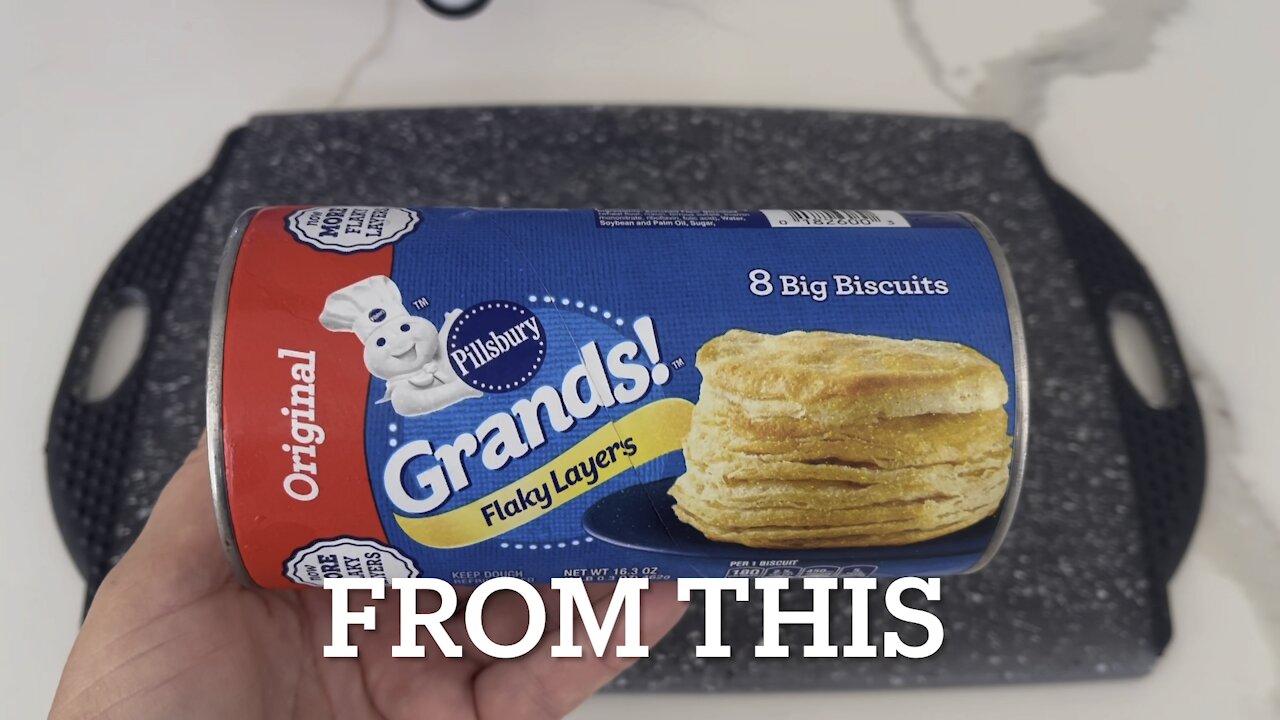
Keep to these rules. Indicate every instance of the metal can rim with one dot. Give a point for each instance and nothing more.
(1021, 393)
(213, 397)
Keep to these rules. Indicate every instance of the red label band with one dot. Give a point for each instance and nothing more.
(293, 395)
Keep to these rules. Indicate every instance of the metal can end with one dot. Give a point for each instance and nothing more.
(213, 399)
(1021, 390)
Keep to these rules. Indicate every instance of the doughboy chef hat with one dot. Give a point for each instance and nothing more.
(361, 307)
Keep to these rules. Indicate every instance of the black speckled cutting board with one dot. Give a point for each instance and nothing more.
(1112, 486)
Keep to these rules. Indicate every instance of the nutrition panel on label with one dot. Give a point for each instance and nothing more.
(793, 568)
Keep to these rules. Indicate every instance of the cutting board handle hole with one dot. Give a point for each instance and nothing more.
(119, 346)
(1142, 358)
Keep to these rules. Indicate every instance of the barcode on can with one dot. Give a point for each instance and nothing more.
(835, 218)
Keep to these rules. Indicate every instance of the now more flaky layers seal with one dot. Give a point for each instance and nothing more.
(466, 394)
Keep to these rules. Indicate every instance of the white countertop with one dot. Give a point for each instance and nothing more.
(1156, 112)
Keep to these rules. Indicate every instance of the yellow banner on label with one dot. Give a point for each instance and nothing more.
(642, 436)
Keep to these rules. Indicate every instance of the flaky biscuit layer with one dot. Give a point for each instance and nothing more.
(817, 504)
(821, 439)
(859, 536)
(735, 468)
(838, 375)
(886, 443)
(700, 485)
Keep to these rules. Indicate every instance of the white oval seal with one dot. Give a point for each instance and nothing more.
(347, 558)
(348, 229)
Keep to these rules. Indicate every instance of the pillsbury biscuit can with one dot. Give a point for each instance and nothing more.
(464, 393)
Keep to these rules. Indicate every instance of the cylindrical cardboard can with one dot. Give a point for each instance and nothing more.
(467, 393)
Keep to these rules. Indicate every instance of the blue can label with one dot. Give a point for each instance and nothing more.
(464, 394)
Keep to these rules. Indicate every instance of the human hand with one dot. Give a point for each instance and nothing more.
(172, 633)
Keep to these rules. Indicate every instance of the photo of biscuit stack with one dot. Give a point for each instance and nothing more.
(824, 439)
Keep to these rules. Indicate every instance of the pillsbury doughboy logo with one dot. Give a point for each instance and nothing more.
(401, 348)
(352, 228)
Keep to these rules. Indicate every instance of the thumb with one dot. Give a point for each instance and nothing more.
(179, 546)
